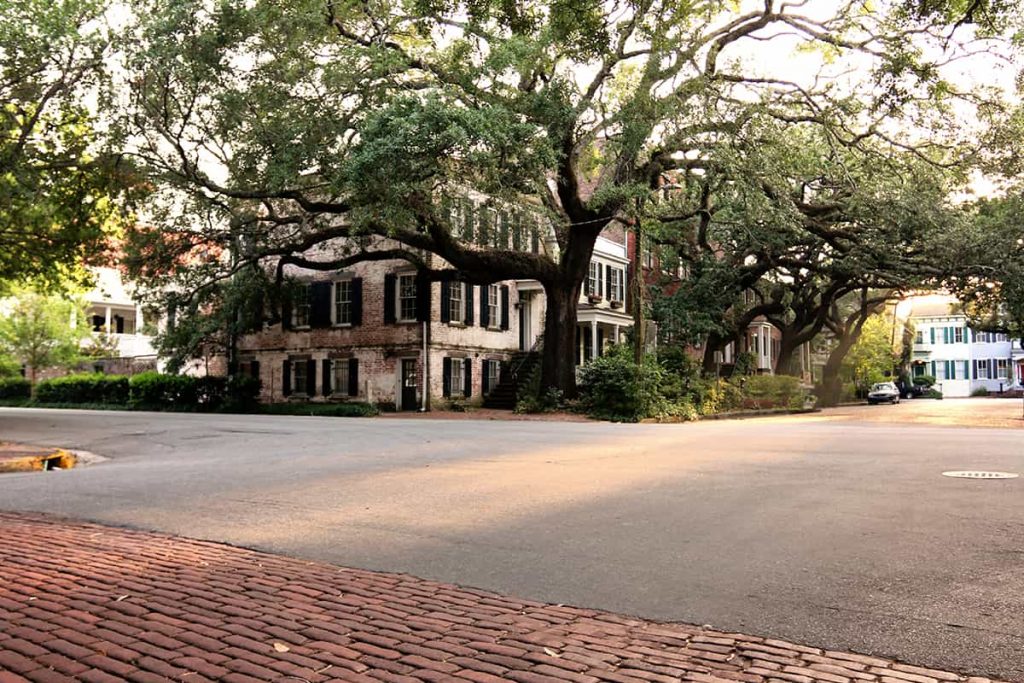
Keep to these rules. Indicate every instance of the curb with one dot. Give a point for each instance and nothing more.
(49, 459)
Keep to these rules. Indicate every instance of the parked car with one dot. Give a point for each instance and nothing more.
(884, 392)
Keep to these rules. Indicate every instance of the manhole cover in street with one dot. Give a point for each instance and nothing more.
(971, 474)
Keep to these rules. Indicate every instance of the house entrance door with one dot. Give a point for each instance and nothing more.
(409, 384)
(524, 324)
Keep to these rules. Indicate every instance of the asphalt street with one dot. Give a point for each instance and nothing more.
(827, 530)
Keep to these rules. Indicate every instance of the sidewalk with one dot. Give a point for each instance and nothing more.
(92, 603)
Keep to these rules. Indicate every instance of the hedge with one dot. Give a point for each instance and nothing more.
(151, 390)
(158, 391)
(94, 388)
(15, 387)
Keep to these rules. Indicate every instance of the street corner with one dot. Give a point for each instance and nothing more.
(16, 457)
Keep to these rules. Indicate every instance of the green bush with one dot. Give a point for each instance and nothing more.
(546, 402)
(613, 387)
(774, 391)
(159, 391)
(348, 409)
(924, 381)
(242, 393)
(93, 388)
(15, 387)
(980, 391)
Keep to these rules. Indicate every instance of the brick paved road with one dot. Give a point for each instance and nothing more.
(98, 604)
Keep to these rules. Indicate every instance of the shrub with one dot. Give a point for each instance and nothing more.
(348, 409)
(161, 392)
(774, 391)
(15, 387)
(242, 393)
(613, 387)
(980, 391)
(93, 388)
(924, 381)
(546, 402)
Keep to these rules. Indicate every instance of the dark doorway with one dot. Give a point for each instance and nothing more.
(409, 384)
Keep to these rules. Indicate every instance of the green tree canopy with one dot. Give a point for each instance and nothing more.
(40, 331)
(57, 181)
(274, 129)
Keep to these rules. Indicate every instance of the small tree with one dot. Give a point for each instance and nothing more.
(39, 331)
(872, 356)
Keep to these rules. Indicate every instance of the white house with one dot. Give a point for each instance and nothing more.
(961, 359)
(111, 308)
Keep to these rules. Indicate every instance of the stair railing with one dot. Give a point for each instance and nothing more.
(538, 344)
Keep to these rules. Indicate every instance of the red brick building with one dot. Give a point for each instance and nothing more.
(380, 333)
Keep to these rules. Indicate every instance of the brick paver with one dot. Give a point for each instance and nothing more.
(93, 603)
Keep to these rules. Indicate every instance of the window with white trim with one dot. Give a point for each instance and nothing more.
(493, 306)
(958, 335)
(595, 279)
(1002, 368)
(406, 297)
(493, 373)
(299, 376)
(919, 337)
(456, 377)
(302, 306)
(343, 302)
(617, 284)
(457, 302)
(339, 371)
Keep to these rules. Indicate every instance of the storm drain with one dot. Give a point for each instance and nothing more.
(974, 474)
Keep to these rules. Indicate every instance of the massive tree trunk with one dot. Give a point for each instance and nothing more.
(788, 346)
(714, 343)
(831, 381)
(558, 361)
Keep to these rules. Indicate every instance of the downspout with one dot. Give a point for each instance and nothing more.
(425, 399)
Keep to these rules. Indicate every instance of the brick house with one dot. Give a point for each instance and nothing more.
(379, 332)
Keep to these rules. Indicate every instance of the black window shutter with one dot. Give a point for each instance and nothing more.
(446, 303)
(504, 307)
(468, 370)
(286, 378)
(286, 311)
(326, 382)
(353, 376)
(310, 377)
(422, 298)
(608, 283)
(469, 303)
(975, 368)
(579, 334)
(446, 379)
(254, 369)
(320, 304)
(485, 377)
(484, 311)
(357, 301)
(389, 298)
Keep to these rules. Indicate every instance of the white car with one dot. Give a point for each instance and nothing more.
(884, 392)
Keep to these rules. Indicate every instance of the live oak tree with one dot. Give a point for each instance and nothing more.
(58, 182)
(295, 130)
(781, 224)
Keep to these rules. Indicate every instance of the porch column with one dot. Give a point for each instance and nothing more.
(138, 319)
(615, 334)
(107, 322)
(593, 339)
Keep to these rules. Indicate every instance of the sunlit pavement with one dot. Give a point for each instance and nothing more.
(827, 530)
